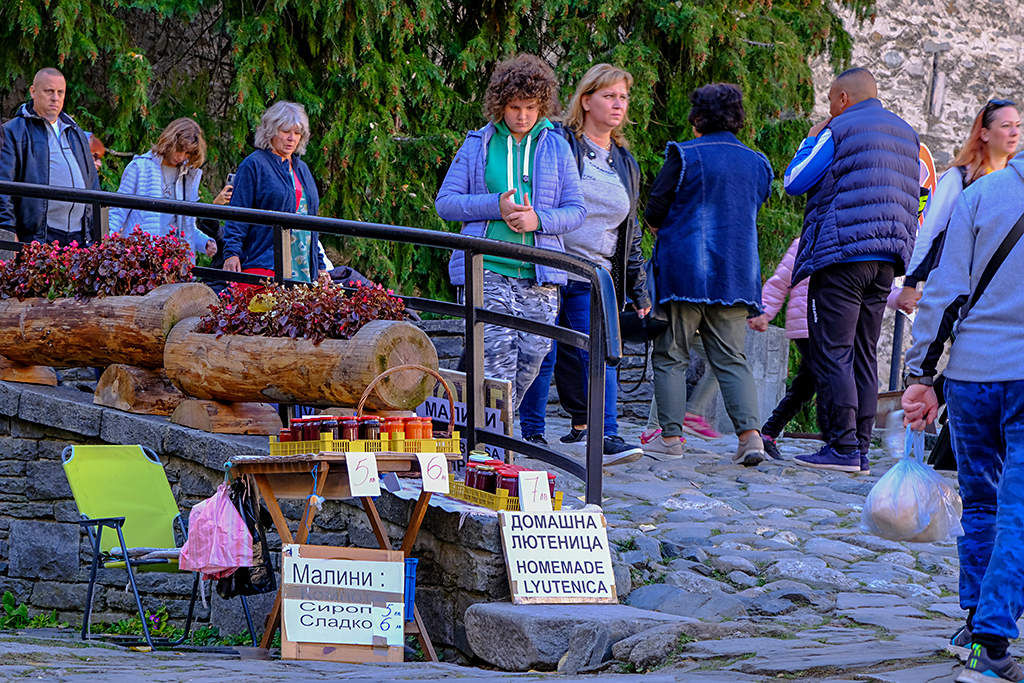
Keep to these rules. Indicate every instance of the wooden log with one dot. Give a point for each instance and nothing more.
(137, 390)
(227, 418)
(99, 332)
(332, 373)
(27, 374)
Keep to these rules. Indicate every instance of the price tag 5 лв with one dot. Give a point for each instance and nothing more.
(363, 479)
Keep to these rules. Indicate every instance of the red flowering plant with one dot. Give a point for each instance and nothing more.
(119, 265)
(321, 310)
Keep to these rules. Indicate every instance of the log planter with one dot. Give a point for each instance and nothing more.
(335, 372)
(99, 332)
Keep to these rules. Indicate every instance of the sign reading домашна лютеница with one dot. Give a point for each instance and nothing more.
(557, 557)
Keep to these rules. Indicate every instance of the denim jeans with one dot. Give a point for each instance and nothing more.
(571, 372)
(988, 440)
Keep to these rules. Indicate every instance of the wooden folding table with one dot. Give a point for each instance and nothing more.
(300, 477)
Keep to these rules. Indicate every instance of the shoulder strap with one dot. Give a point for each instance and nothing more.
(1002, 252)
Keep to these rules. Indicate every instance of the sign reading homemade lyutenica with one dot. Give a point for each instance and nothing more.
(557, 557)
(345, 602)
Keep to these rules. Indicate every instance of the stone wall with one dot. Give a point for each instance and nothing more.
(43, 556)
(768, 354)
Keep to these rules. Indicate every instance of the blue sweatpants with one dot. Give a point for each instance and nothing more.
(987, 420)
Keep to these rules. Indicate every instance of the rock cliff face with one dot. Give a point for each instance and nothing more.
(937, 63)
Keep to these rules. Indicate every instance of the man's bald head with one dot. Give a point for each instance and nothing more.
(47, 91)
(849, 88)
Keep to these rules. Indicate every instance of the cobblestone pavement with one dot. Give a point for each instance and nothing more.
(770, 559)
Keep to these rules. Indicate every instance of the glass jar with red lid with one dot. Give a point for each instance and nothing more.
(508, 479)
(369, 428)
(348, 428)
(487, 478)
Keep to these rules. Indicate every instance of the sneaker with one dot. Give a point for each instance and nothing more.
(865, 468)
(649, 435)
(659, 450)
(750, 452)
(981, 669)
(960, 644)
(574, 436)
(616, 452)
(828, 459)
(698, 426)
(771, 449)
(537, 439)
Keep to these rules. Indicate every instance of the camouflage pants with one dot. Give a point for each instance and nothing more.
(510, 354)
(987, 420)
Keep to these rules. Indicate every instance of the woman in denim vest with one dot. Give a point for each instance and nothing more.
(703, 210)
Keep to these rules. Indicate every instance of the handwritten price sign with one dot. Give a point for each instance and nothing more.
(388, 622)
(534, 492)
(435, 472)
(362, 474)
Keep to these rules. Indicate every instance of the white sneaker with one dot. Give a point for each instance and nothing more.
(750, 452)
(658, 449)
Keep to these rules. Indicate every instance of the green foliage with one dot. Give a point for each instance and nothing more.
(392, 86)
(16, 616)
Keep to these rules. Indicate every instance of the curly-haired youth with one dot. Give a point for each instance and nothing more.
(524, 77)
(716, 107)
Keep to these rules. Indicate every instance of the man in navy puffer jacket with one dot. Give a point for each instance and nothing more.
(859, 170)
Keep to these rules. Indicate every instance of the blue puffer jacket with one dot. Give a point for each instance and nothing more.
(557, 197)
(263, 182)
(867, 201)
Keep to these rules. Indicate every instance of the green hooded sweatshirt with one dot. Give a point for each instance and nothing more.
(511, 165)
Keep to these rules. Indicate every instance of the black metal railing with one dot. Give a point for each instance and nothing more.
(604, 343)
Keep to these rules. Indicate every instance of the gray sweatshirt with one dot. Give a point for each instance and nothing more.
(989, 343)
(64, 217)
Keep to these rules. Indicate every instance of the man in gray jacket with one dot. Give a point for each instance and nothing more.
(43, 145)
(984, 391)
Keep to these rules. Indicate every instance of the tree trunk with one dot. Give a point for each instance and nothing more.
(275, 369)
(27, 374)
(98, 332)
(227, 418)
(137, 390)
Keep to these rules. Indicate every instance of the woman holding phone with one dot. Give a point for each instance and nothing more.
(170, 170)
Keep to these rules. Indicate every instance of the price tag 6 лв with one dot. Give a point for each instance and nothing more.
(363, 479)
(534, 492)
(434, 467)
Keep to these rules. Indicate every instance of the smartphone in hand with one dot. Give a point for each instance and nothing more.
(231, 179)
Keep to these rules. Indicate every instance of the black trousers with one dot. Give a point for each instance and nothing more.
(845, 303)
(801, 390)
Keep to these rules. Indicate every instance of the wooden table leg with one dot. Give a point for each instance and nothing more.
(376, 523)
(413, 530)
(302, 534)
(423, 637)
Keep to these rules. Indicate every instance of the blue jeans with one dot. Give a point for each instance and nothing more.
(571, 372)
(987, 421)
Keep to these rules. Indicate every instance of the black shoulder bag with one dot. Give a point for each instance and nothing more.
(942, 457)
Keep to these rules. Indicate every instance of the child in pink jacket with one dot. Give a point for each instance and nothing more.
(773, 295)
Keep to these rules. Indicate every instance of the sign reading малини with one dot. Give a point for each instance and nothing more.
(557, 557)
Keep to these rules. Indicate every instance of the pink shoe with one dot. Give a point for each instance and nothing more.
(649, 436)
(698, 426)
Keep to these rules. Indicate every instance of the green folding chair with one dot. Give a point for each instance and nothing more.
(125, 488)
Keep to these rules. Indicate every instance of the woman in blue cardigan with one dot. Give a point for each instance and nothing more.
(275, 178)
(515, 180)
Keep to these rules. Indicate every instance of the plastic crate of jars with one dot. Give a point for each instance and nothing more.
(436, 445)
(494, 501)
(398, 444)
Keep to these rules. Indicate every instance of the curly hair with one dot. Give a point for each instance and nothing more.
(716, 107)
(524, 77)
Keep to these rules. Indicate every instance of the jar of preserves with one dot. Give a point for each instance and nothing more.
(471, 475)
(284, 435)
(426, 428)
(369, 428)
(487, 478)
(551, 485)
(295, 427)
(311, 429)
(508, 479)
(329, 426)
(393, 426)
(348, 428)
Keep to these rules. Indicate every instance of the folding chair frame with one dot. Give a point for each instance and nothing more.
(94, 529)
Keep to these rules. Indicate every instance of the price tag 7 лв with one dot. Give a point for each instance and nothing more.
(534, 492)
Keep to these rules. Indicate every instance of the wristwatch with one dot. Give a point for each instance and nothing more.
(910, 380)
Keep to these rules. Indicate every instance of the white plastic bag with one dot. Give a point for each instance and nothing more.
(912, 502)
